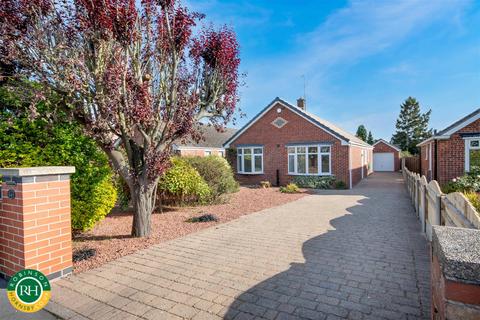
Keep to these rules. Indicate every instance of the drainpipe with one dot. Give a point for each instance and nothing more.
(350, 165)
(435, 158)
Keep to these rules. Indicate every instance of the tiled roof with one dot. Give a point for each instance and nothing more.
(322, 123)
(340, 131)
(394, 146)
(459, 122)
(211, 138)
(445, 133)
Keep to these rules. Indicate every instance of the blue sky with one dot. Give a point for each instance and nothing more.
(361, 59)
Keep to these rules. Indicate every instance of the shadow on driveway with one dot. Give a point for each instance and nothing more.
(373, 264)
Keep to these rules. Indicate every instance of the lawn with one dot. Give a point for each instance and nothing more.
(111, 239)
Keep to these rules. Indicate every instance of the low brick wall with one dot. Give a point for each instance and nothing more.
(35, 221)
(455, 273)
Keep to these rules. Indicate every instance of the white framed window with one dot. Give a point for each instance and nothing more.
(472, 153)
(250, 160)
(309, 160)
(208, 152)
(221, 153)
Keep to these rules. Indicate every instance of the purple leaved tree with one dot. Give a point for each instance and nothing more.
(129, 71)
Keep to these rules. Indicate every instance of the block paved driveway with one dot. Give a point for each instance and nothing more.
(355, 254)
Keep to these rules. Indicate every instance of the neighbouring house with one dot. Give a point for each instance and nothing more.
(386, 156)
(211, 144)
(284, 141)
(453, 151)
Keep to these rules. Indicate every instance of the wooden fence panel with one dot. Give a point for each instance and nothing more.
(459, 212)
(413, 164)
(435, 208)
(423, 207)
(433, 196)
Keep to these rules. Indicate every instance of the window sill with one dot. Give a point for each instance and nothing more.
(310, 174)
(250, 173)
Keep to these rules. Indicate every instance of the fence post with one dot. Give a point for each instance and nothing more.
(424, 206)
(412, 189)
(417, 194)
(438, 209)
(434, 213)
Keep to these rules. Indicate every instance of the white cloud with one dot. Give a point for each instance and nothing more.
(365, 28)
(360, 30)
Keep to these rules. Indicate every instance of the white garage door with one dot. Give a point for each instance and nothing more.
(383, 161)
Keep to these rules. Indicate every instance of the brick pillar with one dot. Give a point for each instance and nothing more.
(35, 222)
(455, 275)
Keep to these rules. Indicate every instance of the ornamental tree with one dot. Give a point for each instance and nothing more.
(370, 139)
(137, 75)
(412, 126)
(362, 132)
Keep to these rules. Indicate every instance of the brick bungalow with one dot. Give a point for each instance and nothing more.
(284, 141)
(386, 156)
(211, 144)
(453, 151)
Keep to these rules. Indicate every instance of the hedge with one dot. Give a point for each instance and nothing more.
(39, 142)
(183, 184)
(217, 173)
(314, 182)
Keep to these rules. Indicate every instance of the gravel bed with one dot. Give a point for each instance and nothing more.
(111, 239)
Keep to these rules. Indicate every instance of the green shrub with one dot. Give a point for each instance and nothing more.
(474, 200)
(183, 184)
(405, 154)
(216, 172)
(92, 190)
(95, 206)
(314, 182)
(450, 187)
(40, 142)
(290, 188)
(339, 184)
(469, 182)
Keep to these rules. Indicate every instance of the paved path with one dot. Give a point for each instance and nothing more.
(354, 254)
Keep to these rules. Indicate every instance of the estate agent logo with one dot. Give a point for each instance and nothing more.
(28, 290)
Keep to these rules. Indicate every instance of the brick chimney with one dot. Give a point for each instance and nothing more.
(301, 103)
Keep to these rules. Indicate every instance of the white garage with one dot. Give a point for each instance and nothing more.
(383, 161)
(386, 156)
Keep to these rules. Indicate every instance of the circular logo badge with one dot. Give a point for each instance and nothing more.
(28, 290)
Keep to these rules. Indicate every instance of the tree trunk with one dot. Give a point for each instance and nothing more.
(143, 198)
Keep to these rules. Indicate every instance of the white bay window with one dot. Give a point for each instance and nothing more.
(472, 154)
(309, 160)
(250, 160)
